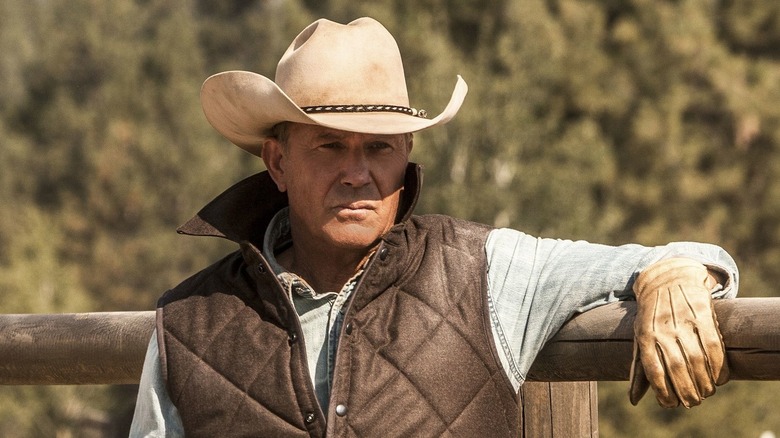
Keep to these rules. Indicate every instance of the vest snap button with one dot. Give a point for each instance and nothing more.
(383, 254)
(293, 337)
(260, 268)
(309, 418)
(341, 410)
(348, 328)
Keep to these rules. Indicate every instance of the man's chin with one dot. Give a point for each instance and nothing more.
(355, 237)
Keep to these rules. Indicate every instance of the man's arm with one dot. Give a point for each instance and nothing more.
(155, 415)
(536, 285)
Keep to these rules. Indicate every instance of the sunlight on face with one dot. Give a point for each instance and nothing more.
(344, 188)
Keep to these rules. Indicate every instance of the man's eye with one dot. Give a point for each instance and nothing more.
(333, 145)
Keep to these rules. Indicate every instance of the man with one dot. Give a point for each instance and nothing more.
(345, 314)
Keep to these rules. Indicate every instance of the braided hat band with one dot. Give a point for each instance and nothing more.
(364, 109)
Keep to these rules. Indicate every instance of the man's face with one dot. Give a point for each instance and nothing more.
(343, 187)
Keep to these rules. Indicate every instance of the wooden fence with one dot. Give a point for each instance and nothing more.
(559, 399)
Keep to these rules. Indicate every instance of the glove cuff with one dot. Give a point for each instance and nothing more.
(678, 270)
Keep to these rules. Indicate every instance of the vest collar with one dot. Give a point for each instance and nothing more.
(243, 211)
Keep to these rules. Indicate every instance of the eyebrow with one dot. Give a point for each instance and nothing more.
(330, 136)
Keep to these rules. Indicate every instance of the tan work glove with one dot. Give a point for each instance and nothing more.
(678, 349)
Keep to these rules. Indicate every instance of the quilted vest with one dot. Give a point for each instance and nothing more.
(415, 356)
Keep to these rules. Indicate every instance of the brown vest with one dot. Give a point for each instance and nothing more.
(415, 357)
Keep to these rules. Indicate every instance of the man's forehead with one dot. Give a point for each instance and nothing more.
(317, 132)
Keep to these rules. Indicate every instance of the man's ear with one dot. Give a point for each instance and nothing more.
(273, 156)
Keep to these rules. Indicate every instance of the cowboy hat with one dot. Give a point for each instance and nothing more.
(347, 77)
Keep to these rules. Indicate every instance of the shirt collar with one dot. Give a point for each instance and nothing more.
(277, 238)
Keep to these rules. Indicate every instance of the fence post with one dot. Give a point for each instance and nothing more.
(559, 409)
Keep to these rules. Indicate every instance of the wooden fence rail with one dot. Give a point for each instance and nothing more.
(597, 345)
(559, 399)
(108, 348)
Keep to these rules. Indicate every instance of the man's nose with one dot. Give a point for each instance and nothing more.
(356, 171)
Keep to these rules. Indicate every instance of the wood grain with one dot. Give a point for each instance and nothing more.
(108, 348)
(73, 348)
(598, 344)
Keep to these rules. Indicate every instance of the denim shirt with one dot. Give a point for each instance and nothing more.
(321, 314)
(535, 285)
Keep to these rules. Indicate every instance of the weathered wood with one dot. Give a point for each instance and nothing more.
(559, 409)
(108, 348)
(73, 349)
(597, 345)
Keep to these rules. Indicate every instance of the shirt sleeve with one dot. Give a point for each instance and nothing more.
(535, 285)
(155, 415)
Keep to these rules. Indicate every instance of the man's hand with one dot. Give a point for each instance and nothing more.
(678, 349)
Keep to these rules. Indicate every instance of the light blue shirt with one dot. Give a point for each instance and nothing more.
(535, 285)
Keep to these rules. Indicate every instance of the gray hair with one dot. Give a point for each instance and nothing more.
(281, 132)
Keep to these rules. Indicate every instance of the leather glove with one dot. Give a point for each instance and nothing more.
(678, 349)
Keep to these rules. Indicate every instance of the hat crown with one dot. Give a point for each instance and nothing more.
(335, 64)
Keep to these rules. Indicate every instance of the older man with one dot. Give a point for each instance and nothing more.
(345, 314)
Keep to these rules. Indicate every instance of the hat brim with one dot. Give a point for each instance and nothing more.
(243, 106)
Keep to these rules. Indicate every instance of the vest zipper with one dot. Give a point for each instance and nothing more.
(297, 338)
(347, 314)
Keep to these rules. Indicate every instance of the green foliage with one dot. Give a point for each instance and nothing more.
(612, 121)
(738, 409)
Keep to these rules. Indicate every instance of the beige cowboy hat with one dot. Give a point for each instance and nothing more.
(347, 77)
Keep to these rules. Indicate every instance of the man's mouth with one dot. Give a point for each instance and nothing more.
(359, 205)
(355, 210)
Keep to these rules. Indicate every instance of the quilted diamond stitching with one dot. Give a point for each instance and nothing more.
(399, 367)
(259, 370)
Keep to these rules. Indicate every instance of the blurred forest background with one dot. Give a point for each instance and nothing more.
(612, 121)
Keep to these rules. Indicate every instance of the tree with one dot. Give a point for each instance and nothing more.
(612, 121)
